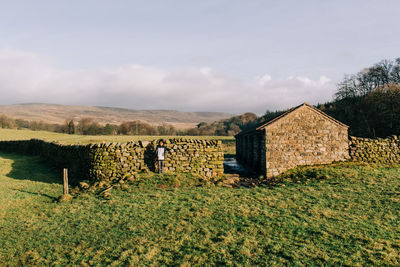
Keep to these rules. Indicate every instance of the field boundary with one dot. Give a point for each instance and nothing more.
(377, 150)
(120, 161)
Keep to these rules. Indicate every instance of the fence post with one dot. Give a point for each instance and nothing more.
(65, 181)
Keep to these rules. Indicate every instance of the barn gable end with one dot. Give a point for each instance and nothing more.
(302, 136)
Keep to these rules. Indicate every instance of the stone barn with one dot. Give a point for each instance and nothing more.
(304, 135)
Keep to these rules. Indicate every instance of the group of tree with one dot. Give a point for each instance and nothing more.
(88, 126)
(359, 85)
(11, 123)
(227, 127)
(369, 101)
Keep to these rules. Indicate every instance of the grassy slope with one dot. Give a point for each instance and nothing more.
(10, 134)
(352, 217)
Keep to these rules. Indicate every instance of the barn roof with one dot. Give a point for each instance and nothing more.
(278, 117)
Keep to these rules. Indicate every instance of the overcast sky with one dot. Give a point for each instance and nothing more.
(190, 55)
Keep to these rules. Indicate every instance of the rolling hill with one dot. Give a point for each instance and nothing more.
(53, 113)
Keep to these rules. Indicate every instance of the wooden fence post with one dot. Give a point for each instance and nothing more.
(65, 181)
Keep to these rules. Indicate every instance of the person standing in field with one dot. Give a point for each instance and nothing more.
(160, 155)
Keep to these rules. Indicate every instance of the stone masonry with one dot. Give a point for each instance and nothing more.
(302, 136)
(380, 150)
(116, 161)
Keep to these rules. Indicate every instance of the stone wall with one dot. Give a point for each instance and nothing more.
(380, 150)
(304, 137)
(198, 157)
(108, 161)
(76, 158)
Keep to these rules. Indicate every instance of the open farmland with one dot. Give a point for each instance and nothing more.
(340, 214)
(11, 134)
(346, 215)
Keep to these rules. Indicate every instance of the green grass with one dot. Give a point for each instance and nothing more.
(346, 215)
(11, 134)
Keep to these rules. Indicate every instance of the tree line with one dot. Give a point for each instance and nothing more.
(10, 123)
(88, 126)
(369, 101)
(359, 85)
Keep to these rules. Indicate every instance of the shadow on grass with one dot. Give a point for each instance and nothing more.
(36, 194)
(31, 168)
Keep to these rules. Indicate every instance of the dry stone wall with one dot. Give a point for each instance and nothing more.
(77, 158)
(110, 161)
(201, 157)
(380, 150)
(198, 157)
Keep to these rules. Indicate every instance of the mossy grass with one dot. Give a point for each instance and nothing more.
(344, 214)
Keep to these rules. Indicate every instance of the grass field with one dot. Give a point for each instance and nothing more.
(11, 134)
(350, 216)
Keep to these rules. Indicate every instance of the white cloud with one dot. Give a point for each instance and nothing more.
(26, 77)
(262, 80)
(307, 81)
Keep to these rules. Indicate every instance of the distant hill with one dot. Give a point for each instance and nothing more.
(52, 113)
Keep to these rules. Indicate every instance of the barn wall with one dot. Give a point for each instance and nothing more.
(304, 137)
(239, 148)
(263, 151)
(250, 150)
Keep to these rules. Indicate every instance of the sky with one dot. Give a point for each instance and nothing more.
(211, 55)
